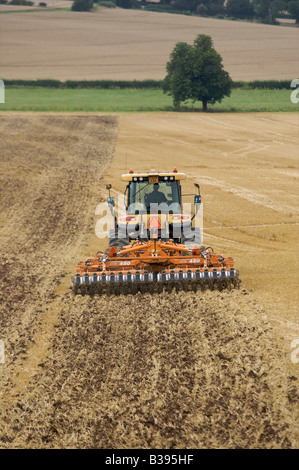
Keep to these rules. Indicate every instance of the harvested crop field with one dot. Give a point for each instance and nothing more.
(134, 44)
(191, 370)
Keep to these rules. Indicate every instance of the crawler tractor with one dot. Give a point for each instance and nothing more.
(154, 246)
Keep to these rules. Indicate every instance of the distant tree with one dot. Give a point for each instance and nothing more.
(266, 9)
(293, 9)
(126, 3)
(212, 7)
(201, 9)
(277, 7)
(187, 5)
(215, 7)
(240, 8)
(195, 72)
(261, 7)
(26, 3)
(82, 5)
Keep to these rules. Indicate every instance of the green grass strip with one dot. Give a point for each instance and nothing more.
(138, 100)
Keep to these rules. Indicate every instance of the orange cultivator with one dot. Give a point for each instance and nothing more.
(154, 246)
(152, 266)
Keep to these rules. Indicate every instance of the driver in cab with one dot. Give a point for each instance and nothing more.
(156, 196)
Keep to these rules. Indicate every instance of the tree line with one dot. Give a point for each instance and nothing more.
(133, 84)
(264, 10)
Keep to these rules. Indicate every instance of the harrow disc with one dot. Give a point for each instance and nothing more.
(125, 284)
(154, 266)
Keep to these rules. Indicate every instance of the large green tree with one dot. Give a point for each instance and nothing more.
(196, 72)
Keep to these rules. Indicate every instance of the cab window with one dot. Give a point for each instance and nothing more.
(142, 194)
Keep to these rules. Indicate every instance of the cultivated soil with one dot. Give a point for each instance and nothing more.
(134, 44)
(188, 370)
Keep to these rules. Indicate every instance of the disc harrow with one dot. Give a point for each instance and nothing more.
(154, 266)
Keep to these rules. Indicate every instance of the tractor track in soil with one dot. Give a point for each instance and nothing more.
(187, 370)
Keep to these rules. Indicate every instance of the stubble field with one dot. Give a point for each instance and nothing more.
(183, 371)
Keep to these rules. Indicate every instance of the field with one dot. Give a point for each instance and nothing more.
(210, 370)
(127, 100)
(123, 44)
(51, 5)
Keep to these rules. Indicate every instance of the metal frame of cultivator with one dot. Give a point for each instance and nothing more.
(154, 266)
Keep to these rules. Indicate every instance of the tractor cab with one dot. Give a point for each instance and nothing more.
(153, 203)
(148, 193)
